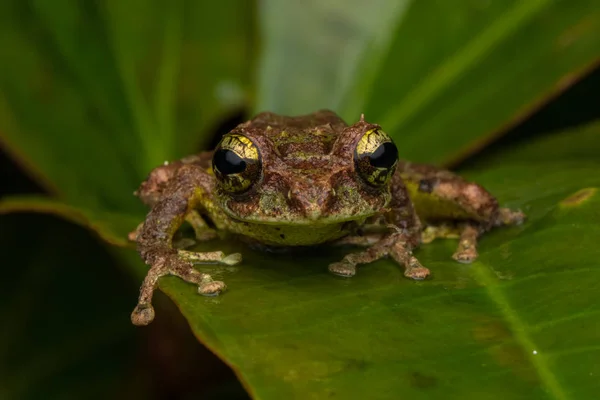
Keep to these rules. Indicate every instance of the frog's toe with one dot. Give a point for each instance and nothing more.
(209, 257)
(507, 216)
(133, 235)
(465, 256)
(211, 288)
(417, 273)
(232, 259)
(342, 269)
(142, 315)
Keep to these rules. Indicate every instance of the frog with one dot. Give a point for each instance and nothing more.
(280, 182)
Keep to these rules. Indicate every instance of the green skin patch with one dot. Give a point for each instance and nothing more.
(430, 207)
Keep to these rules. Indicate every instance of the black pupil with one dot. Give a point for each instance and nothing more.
(227, 162)
(384, 156)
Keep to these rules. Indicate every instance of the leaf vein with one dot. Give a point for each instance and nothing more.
(519, 329)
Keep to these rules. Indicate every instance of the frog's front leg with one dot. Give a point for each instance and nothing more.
(157, 185)
(190, 189)
(201, 229)
(406, 230)
(397, 245)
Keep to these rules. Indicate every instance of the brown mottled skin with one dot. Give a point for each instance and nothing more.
(305, 181)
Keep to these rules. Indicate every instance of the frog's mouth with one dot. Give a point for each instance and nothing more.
(291, 217)
(297, 232)
(304, 206)
(290, 221)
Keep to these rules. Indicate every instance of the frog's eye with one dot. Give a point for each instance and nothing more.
(236, 163)
(375, 157)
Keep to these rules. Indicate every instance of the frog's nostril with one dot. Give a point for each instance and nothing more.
(313, 201)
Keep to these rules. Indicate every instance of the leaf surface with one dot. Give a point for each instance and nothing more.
(522, 321)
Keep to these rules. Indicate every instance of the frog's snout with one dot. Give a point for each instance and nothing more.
(313, 201)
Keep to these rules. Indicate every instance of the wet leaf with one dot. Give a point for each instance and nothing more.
(455, 74)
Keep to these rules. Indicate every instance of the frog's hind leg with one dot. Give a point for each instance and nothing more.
(506, 216)
(467, 244)
(470, 231)
(466, 232)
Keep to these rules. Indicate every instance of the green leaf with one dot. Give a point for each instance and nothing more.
(93, 95)
(111, 227)
(455, 73)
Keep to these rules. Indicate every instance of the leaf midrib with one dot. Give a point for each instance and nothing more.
(518, 328)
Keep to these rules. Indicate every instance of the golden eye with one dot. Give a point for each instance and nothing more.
(375, 157)
(236, 163)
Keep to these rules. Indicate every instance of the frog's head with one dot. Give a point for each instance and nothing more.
(304, 171)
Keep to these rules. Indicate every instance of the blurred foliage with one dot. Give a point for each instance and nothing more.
(94, 94)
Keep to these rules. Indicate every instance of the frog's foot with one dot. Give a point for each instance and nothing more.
(211, 288)
(509, 217)
(402, 253)
(342, 268)
(170, 262)
(210, 257)
(347, 266)
(396, 245)
(414, 270)
(142, 314)
(467, 245)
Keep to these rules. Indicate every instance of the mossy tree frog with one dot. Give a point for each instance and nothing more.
(284, 181)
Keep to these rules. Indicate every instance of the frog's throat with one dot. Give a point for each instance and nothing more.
(295, 220)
